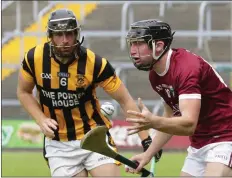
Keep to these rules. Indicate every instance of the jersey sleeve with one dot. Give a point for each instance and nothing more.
(188, 79)
(25, 70)
(107, 79)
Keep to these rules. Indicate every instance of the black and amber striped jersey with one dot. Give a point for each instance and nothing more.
(67, 92)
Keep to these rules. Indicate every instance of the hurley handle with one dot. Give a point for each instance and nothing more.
(134, 165)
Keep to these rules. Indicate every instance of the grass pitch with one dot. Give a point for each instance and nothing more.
(32, 164)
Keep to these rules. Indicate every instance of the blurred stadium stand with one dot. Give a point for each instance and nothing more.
(102, 26)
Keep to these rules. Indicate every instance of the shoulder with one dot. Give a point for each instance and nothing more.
(38, 49)
(185, 60)
(93, 57)
(184, 55)
(90, 54)
(30, 54)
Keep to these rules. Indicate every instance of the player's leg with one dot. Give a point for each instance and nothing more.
(193, 165)
(69, 171)
(218, 169)
(219, 159)
(101, 165)
(65, 159)
(83, 173)
(109, 170)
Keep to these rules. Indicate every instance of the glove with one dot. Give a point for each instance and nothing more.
(146, 143)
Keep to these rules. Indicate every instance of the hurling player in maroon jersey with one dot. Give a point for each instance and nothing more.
(197, 102)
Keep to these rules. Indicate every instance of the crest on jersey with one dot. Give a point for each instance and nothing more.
(82, 81)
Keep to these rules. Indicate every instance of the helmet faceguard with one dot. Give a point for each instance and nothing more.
(149, 31)
(63, 21)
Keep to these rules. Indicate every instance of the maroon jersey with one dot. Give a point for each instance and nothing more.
(190, 76)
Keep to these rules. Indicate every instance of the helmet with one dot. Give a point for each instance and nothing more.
(150, 31)
(63, 20)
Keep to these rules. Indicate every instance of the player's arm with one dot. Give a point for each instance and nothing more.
(122, 96)
(184, 124)
(179, 125)
(113, 86)
(26, 98)
(29, 102)
(188, 86)
(160, 138)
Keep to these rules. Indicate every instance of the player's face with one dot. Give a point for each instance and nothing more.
(64, 42)
(141, 53)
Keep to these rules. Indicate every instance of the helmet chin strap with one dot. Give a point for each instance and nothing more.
(154, 50)
(74, 45)
(61, 46)
(157, 58)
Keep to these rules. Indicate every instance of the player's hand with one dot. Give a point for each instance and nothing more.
(143, 119)
(142, 159)
(146, 143)
(48, 126)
